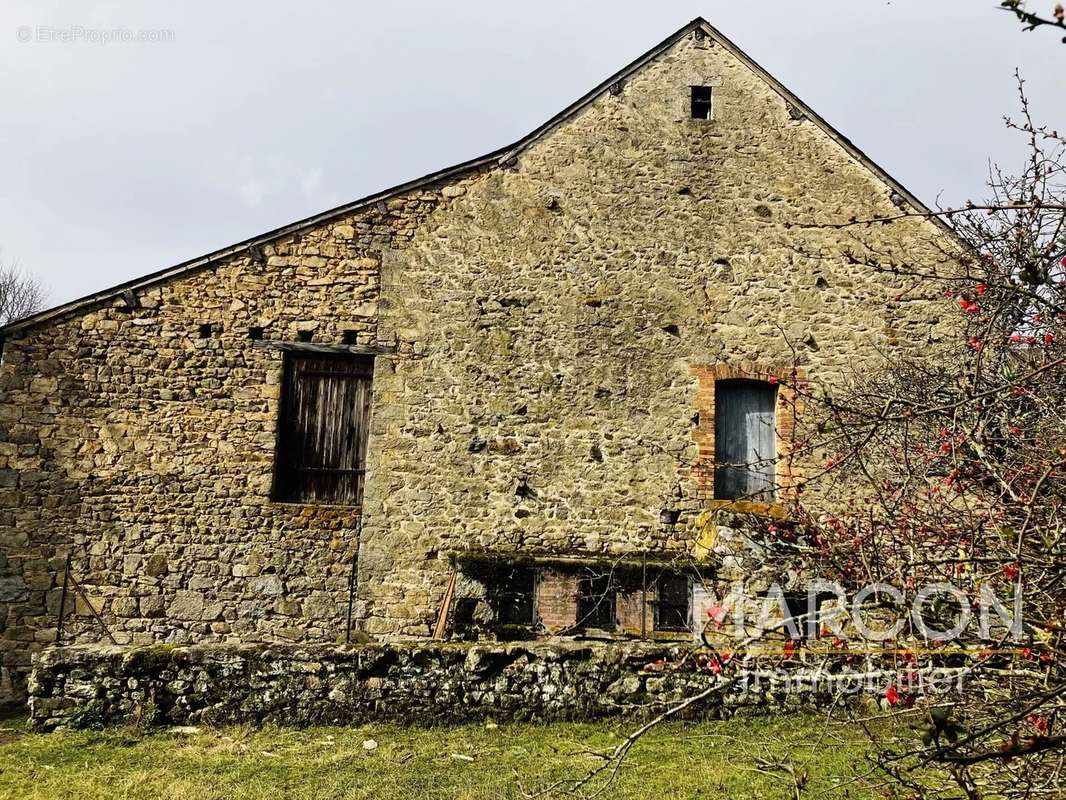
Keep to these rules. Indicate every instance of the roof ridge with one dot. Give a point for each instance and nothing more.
(500, 156)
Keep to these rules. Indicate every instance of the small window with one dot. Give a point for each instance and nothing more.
(513, 595)
(255, 333)
(745, 440)
(801, 621)
(305, 336)
(350, 337)
(322, 432)
(205, 330)
(702, 102)
(596, 602)
(672, 606)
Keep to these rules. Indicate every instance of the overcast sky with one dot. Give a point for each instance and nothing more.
(120, 158)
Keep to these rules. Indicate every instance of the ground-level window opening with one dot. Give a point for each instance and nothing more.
(672, 607)
(513, 595)
(596, 601)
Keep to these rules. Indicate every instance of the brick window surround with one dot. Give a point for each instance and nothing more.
(789, 409)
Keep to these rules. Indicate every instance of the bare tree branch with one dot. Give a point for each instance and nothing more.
(20, 293)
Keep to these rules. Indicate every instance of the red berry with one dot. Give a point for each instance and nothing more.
(892, 695)
(1039, 722)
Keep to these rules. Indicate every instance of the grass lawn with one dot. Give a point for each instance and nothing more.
(731, 759)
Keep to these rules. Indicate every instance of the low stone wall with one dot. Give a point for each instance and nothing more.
(420, 683)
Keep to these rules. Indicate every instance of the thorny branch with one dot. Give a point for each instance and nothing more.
(956, 455)
(949, 464)
(1031, 21)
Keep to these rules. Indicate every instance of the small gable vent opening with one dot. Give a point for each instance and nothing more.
(702, 102)
(205, 330)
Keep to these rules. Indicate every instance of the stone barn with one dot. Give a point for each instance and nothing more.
(490, 402)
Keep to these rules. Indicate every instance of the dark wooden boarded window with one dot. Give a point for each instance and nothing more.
(745, 440)
(672, 603)
(325, 413)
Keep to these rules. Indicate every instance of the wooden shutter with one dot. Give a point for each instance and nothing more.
(745, 440)
(325, 416)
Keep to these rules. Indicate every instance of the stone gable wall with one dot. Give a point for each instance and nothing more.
(570, 304)
(541, 325)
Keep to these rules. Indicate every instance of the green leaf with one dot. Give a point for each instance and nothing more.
(940, 717)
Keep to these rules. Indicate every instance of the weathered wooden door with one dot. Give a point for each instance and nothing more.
(324, 424)
(745, 440)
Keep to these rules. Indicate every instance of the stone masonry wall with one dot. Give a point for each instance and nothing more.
(541, 325)
(145, 450)
(571, 305)
(422, 684)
